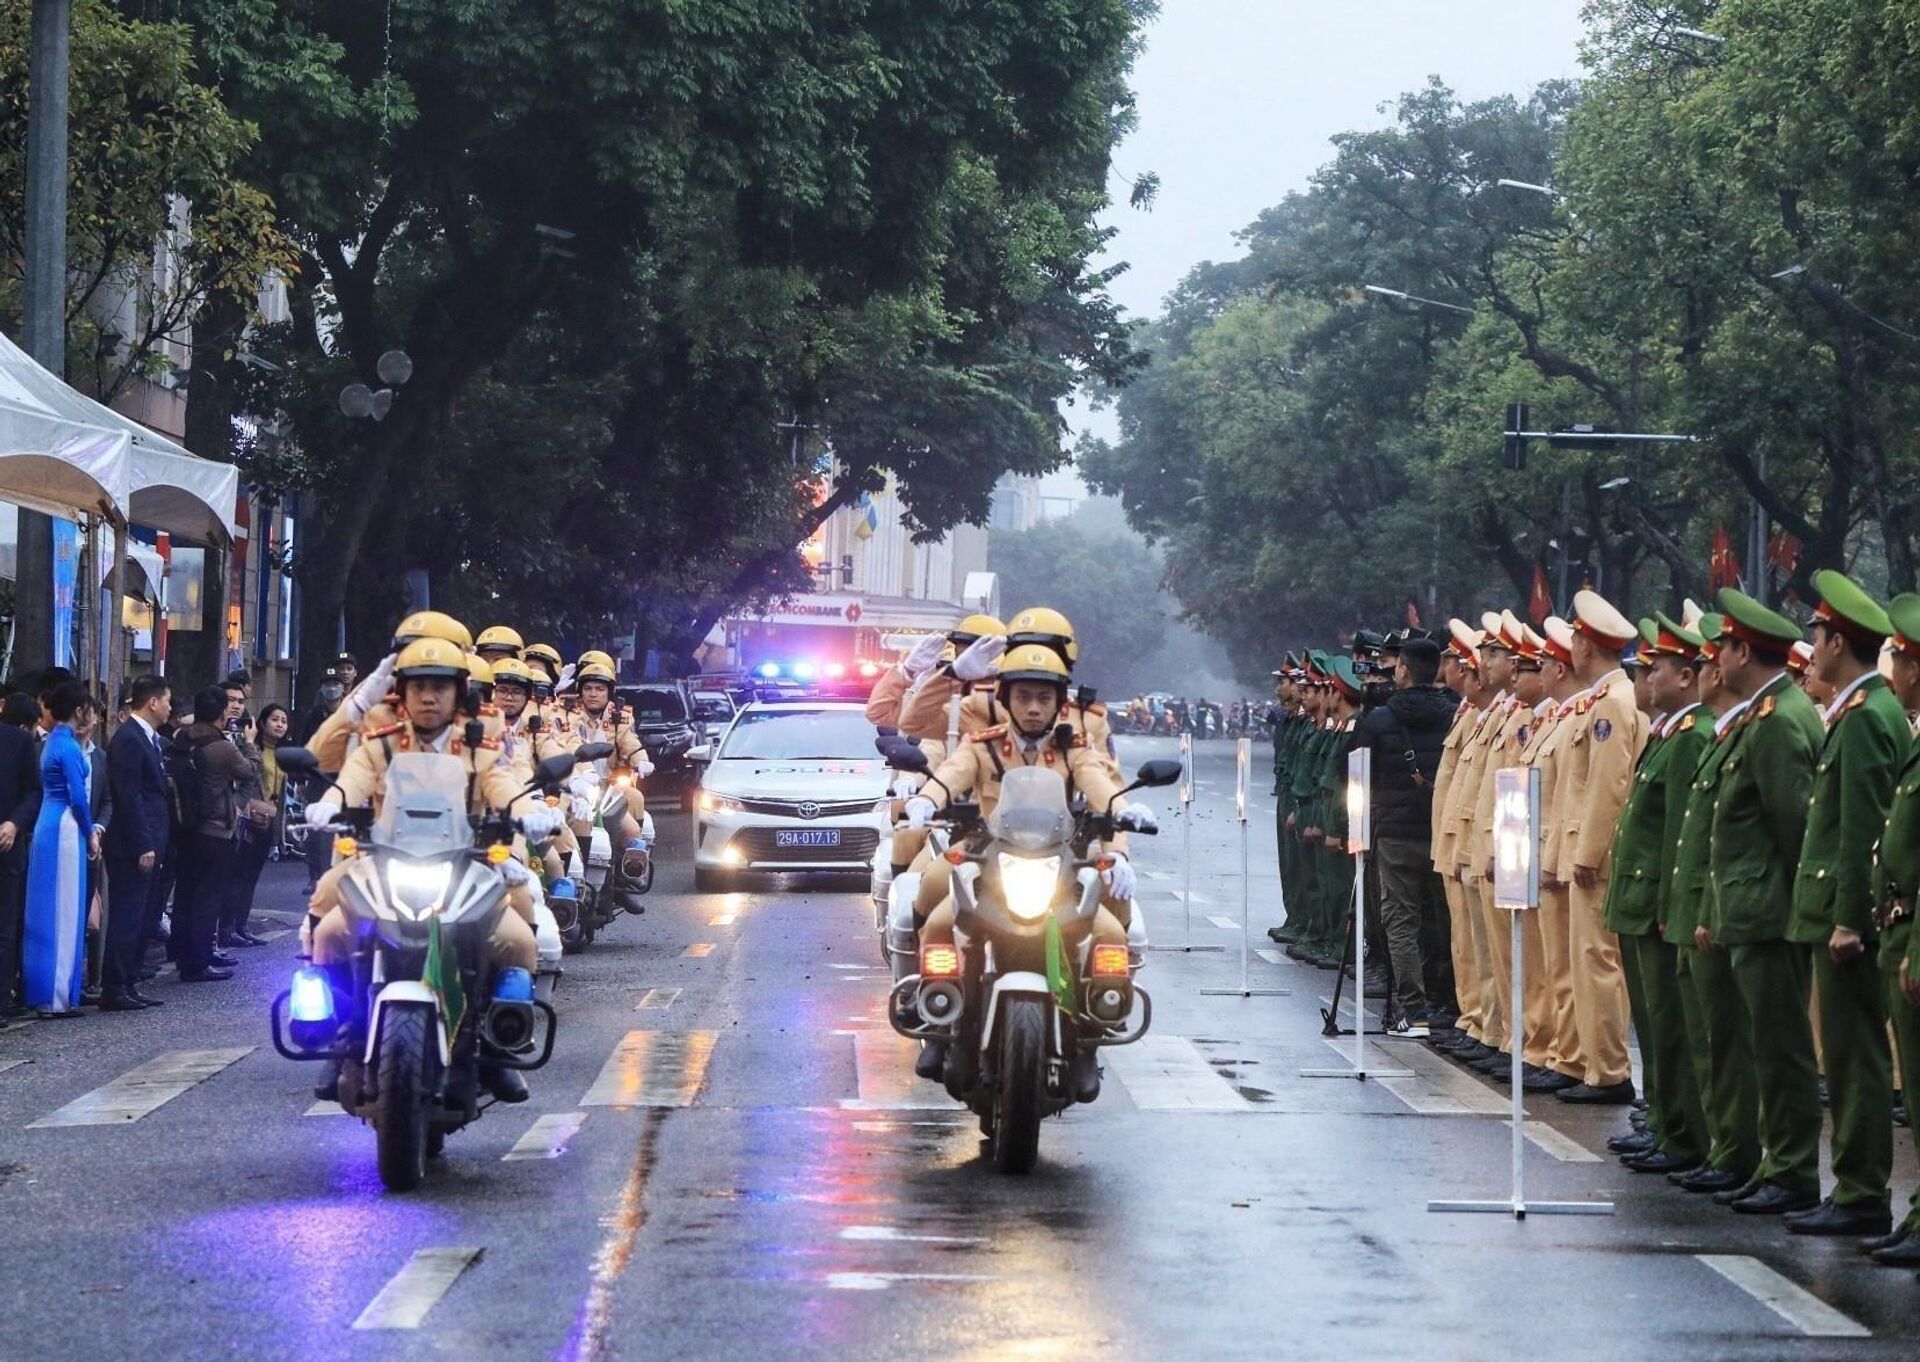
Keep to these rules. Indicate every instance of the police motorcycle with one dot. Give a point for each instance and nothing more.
(409, 1016)
(1024, 988)
(604, 887)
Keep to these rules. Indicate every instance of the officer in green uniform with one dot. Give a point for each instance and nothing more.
(1336, 863)
(1643, 852)
(1312, 943)
(1759, 826)
(1866, 745)
(1718, 1036)
(1896, 892)
(1288, 726)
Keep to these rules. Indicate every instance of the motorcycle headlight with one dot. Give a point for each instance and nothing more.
(1029, 884)
(416, 887)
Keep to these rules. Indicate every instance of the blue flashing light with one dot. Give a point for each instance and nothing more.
(312, 997)
(769, 669)
(564, 888)
(803, 671)
(513, 985)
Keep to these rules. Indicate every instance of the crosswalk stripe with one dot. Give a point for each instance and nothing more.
(1437, 1088)
(1793, 1303)
(1556, 1142)
(6, 1064)
(653, 1069)
(547, 1138)
(657, 999)
(883, 1072)
(723, 920)
(1271, 957)
(1224, 923)
(880, 1281)
(1166, 1073)
(416, 1288)
(143, 1089)
(325, 1109)
(697, 950)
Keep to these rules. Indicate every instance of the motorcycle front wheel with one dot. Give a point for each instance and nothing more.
(1019, 1103)
(406, 1097)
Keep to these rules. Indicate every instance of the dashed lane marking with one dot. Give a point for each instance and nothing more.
(1271, 957)
(6, 1064)
(1556, 1142)
(1793, 1303)
(653, 1069)
(889, 1235)
(1166, 1073)
(143, 1089)
(547, 1138)
(880, 1281)
(325, 1109)
(1437, 1088)
(698, 950)
(403, 1303)
(1225, 924)
(723, 920)
(657, 999)
(883, 1073)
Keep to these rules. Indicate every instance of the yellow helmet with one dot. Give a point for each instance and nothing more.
(497, 637)
(975, 627)
(479, 670)
(594, 657)
(432, 624)
(594, 670)
(430, 657)
(1048, 628)
(1033, 662)
(547, 654)
(512, 670)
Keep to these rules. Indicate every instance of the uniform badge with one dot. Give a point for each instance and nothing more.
(1521, 736)
(1602, 730)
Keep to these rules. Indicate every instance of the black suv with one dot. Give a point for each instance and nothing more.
(662, 715)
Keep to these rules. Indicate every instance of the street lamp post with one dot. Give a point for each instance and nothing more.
(1414, 298)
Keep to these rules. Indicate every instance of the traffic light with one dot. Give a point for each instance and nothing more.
(1516, 443)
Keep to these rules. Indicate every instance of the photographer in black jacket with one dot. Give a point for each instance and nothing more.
(1406, 733)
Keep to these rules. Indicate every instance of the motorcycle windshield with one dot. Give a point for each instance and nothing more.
(426, 809)
(1032, 814)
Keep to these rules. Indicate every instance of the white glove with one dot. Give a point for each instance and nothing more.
(322, 812)
(514, 873)
(905, 787)
(579, 809)
(919, 812)
(976, 663)
(585, 784)
(371, 691)
(642, 769)
(1118, 877)
(541, 821)
(565, 679)
(1137, 818)
(924, 655)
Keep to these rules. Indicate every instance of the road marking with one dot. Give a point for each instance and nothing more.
(274, 935)
(6, 1064)
(883, 1073)
(623, 1226)
(1158, 874)
(1166, 1073)
(547, 1138)
(1437, 1088)
(1272, 957)
(888, 1234)
(653, 1069)
(697, 950)
(144, 1089)
(1225, 924)
(723, 920)
(325, 1109)
(657, 999)
(1555, 1142)
(888, 1127)
(1793, 1303)
(861, 968)
(880, 1281)
(416, 1288)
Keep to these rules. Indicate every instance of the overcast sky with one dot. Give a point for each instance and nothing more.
(1238, 98)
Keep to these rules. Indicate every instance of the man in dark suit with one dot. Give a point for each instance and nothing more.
(136, 840)
(19, 807)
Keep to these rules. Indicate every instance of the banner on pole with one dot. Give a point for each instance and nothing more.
(1360, 799)
(1516, 820)
(1241, 777)
(1186, 768)
(66, 573)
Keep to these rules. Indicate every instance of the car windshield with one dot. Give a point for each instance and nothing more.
(656, 706)
(712, 707)
(800, 735)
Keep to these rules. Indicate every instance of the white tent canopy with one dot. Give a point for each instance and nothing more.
(62, 451)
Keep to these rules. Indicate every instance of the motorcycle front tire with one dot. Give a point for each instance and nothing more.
(402, 1115)
(1020, 1102)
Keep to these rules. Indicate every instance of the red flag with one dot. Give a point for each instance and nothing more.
(1540, 603)
(1723, 568)
(1783, 551)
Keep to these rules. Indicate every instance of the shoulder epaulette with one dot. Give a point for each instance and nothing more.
(1854, 701)
(988, 734)
(1686, 725)
(1766, 707)
(489, 711)
(1583, 704)
(1600, 691)
(491, 744)
(386, 732)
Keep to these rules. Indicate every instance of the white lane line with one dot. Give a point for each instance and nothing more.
(697, 950)
(416, 1288)
(1166, 1073)
(1225, 924)
(862, 968)
(653, 1069)
(883, 1074)
(888, 1234)
(887, 1127)
(1555, 1142)
(1793, 1303)
(657, 999)
(1436, 1088)
(6, 1064)
(1272, 957)
(143, 1089)
(274, 935)
(880, 1281)
(325, 1109)
(1158, 874)
(547, 1138)
(723, 920)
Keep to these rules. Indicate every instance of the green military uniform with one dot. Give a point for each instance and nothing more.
(1759, 826)
(1330, 815)
(1306, 782)
(1643, 848)
(1896, 891)
(1718, 1036)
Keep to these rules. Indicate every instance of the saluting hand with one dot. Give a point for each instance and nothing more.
(1845, 944)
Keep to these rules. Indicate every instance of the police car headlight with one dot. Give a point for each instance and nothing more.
(416, 887)
(719, 803)
(1029, 884)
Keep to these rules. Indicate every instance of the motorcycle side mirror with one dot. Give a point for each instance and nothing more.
(591, 751)
(1156, 773)
(557, 767)
(903, 755)
(297, 760)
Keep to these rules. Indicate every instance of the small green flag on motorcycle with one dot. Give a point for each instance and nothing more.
(443, 977)
(1059, 971)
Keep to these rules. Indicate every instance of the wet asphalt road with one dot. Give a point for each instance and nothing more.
(729, 1157)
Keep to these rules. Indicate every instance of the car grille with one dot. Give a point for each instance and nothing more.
(790, 808)
(856, 844)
